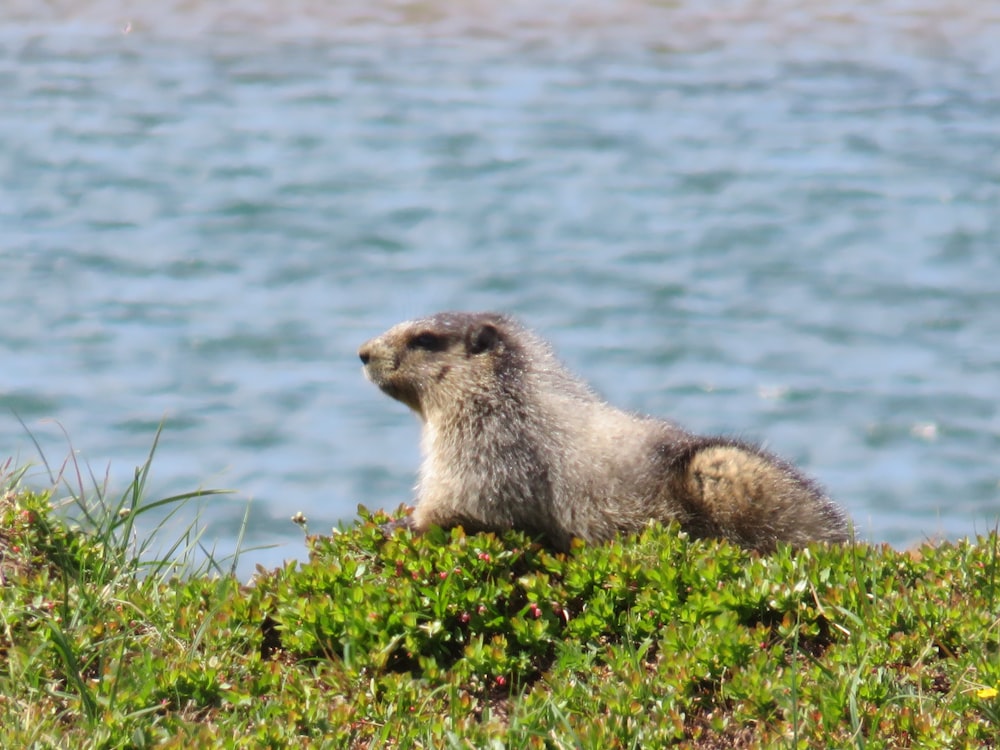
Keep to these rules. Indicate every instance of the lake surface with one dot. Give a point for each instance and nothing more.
(775, 220)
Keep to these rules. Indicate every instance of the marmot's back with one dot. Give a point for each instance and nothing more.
(511, 439)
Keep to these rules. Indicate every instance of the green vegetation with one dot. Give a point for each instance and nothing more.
(476, 641)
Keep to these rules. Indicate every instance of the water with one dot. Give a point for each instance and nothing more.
(780, 222)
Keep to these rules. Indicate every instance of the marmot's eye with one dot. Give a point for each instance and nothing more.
(429, 341)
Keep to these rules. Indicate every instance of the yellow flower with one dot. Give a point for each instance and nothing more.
(987, 693)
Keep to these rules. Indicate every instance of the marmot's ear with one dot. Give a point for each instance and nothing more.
(482, 338)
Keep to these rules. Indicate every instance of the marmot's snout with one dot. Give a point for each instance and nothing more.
(381, 366)
(369, 350)
(369, 355)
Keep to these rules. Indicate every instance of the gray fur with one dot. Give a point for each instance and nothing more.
(511, 439)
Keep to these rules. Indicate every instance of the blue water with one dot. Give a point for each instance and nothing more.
(783, 225)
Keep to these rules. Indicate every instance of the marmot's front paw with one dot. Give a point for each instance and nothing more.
(389, 528)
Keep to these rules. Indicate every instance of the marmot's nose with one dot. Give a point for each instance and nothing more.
(365, 354)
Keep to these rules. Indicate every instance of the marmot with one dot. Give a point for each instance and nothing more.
(512, 440)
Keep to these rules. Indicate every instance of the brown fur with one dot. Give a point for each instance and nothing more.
(512, 440)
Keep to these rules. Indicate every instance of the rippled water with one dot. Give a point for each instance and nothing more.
(779, 220)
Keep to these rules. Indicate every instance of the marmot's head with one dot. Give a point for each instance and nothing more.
(440, 361)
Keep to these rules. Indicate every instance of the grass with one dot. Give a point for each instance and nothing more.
(480, 641)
